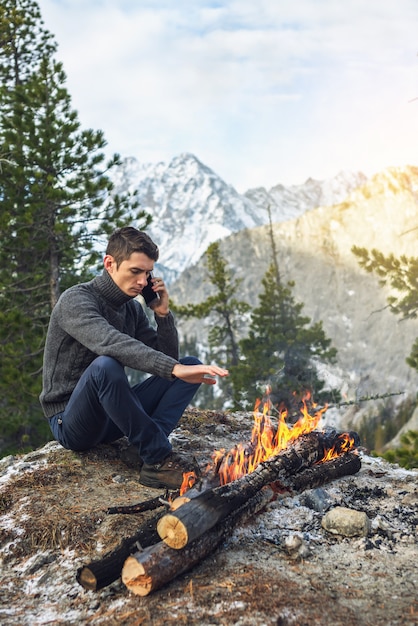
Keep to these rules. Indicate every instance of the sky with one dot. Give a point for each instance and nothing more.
(263, 92)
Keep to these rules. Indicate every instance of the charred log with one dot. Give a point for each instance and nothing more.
(142, 507)
(319, 474)
(104, 571)
(204, 511)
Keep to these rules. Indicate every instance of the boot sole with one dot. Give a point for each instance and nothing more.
(156, 484)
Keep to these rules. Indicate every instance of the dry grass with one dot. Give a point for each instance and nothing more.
(62, 505)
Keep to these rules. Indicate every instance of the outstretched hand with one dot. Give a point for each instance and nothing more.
(205, 374)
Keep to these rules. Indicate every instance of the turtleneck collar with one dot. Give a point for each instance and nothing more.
(109, 290)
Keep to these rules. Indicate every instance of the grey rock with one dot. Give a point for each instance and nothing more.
(317, 500)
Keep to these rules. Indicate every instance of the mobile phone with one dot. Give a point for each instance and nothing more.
(148, 294)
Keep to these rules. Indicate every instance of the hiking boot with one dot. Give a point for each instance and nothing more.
(168, 474)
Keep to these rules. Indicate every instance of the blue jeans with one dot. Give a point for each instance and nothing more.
(104, 407)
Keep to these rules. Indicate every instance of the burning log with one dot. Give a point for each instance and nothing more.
(150, 569)
(319, 474)
(203, 512)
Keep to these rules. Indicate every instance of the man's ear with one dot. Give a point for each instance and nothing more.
(109, 263)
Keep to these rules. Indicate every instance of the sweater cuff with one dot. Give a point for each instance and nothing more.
(165, 321)
(165, 365)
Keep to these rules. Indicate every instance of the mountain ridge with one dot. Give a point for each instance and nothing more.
(192, 206)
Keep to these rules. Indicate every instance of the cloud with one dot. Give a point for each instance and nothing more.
(234, 81)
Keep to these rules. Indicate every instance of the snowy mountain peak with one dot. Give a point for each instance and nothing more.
(290, 202)
(192, 206)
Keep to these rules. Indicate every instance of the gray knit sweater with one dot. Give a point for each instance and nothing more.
(97, 318)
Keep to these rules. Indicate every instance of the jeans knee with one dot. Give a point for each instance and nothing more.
(108, 365)
(190, 360)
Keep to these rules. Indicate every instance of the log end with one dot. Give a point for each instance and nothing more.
(172, 531)
(87, 579)
(133, 577)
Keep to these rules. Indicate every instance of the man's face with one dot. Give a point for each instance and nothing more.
(131, 276)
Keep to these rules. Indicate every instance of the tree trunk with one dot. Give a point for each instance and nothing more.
(201, 513)
(150, 569)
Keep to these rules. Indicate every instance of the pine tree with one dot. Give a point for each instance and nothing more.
(401, 274)
(226, 315)
(57, 202)
(280, 351)
(225, 311)
(406, 455)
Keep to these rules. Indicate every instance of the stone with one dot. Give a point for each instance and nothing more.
(316, 499)
(346, 522)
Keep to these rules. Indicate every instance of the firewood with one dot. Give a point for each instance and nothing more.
(146, 505)
(201, 513)
(345, 464)
(106, 570)
(150, 569)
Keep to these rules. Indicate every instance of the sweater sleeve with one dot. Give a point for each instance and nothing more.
(79, 314)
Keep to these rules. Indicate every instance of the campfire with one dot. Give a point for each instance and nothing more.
(235, 487)
(266, 441)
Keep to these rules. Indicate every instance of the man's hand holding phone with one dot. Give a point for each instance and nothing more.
(148, 293)
(156, 296)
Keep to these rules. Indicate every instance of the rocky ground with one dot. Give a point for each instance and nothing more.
(281, 569)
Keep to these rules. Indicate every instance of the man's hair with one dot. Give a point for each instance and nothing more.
(124, 241)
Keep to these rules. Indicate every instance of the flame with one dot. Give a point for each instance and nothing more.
(266, 440)
(189, 479)
(345, 444)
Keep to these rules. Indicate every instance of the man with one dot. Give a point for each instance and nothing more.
(96, 329)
